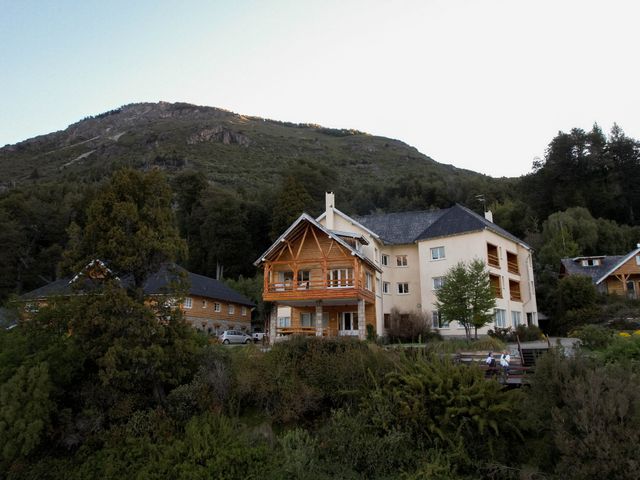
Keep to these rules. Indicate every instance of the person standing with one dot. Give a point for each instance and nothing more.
(505, 359)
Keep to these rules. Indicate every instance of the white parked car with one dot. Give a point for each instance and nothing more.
(235, 336)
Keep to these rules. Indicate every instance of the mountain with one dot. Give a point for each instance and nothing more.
(230, 149)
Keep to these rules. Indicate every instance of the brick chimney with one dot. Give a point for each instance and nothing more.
(329, 200)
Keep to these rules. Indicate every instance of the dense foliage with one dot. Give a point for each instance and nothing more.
(308, 408)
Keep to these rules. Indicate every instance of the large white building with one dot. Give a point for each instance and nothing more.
(407, 254)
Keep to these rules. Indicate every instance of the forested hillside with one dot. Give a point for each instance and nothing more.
(239, 181)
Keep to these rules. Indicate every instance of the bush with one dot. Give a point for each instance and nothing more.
(409, 327)
(592, 337)
(582, 419)
(622, 349)
(305, 376)
(460, 345)
(525, 333)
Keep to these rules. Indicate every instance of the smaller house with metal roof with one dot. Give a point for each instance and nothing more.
(209, 305)
(613, 274)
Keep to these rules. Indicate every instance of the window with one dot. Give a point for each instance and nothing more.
(496, 287)
(512, 263)
(376, 254)
(438, 282)
(438, 321)
(401, 260)
(188, 303)
(204, 304)
(217, 307)
(516, 319)
(244, 311)
(403, 288)
(437, 253)
(284, 280)
(349, 323)
(284, 322)
(303, 279)
(591, 262)
(368, 281)
(500, 318)
(231, 309)
(386, 287)
(385, 260)
(637, 259)
(492, 256)
(514, 290)
(340, 277)
(305, 319)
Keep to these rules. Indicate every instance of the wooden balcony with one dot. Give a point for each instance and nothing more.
(316, 290)
(513, 267)
(512, 263)
(514, 291)
(493, 260)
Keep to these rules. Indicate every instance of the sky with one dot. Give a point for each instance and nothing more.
(481, 84)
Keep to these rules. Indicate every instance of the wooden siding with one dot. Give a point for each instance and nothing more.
(334, 319)
(616, 283)
(311, 250)
(208, 312)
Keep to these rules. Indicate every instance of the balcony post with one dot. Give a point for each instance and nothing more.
(362, 320)
(273, 323)
(319, 318)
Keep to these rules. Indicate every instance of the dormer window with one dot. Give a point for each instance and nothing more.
(590, 262)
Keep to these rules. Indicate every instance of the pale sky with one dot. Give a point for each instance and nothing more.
(480, 84)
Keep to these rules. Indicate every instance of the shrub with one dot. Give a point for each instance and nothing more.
(582, 419)
(622, 349)
(460, 345)
(306, 376)
(410, 327)
(526, 333)
(440, 404)
(592, 337)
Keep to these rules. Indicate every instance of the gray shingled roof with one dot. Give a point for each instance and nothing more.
(409, 227)
(402, 227)
(155, 284)
(595, 272)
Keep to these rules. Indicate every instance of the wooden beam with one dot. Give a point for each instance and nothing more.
(304, 237)
(318, 243)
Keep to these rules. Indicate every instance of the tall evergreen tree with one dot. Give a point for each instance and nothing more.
(291, 201)
(130, 225)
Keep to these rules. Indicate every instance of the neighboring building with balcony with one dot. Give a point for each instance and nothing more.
(327, 274)
(613, 274)
(209, 305)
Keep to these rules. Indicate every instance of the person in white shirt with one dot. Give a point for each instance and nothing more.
(505, 359)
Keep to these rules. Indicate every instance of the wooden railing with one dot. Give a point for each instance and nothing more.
(493, 260)
(291, 285)
(513, 267)
(316, 289)
(311, 331)
(515, 295)
(497, 291)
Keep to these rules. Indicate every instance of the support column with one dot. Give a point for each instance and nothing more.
(273, 323)
(362, 321)
(319, 318)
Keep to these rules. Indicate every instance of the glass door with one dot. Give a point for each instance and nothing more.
(348, 324)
